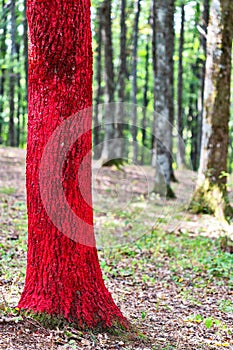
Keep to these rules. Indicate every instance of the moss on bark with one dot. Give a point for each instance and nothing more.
(211, 199)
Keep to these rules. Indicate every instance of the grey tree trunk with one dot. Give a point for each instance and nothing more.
(12, 78)
(3, 70)
(203, 35)
(109, 115)
(211, 193)
(25, 39)
(163, 21)
(119, 120)
(181, 149)
(145, 96)
(97, 151)
(134, 75)
(18, 113)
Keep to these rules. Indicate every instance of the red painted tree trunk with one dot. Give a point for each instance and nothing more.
(63, 276)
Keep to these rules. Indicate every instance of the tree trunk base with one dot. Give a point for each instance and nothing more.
(211, 199)
(49, 321)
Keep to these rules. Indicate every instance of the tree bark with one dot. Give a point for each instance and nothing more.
(108, 152)
(181, 149)
(203, 47)
(210, 194)
(18, 97)
(12, 78)
(97, 154)
(2, 85)
(119, 142)
(145, 96)
(63, 276)
(134, 81)
(25, 43)
(163, 22)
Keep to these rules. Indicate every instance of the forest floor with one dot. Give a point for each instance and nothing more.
(166, 268)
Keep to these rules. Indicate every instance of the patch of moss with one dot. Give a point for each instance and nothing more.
(211, 199)
(7, 190)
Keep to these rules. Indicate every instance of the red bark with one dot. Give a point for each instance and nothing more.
(63, 276)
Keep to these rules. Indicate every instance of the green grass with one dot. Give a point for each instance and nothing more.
(7, 190)
(198, 260)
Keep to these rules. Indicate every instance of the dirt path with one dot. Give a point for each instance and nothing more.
(174, 306)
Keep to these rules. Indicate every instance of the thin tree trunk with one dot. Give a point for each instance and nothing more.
(162, 23)
(108, 152)
(63, 273)
(2, 83)
(119, 142)
(211, 188)
(203, 47)
(12, 78)
(25, 43)
(170, 52)
(193, 127)
(99, 81)
(181, 150)
(134, 81)
(18, 98)
(145, 98)
(154, 65)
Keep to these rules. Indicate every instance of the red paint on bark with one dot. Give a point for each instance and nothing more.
(63, 277)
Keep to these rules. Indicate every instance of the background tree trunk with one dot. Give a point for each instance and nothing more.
(203, 35)
(99, 81)
(145, 96)
(12, 78)
(134, 77)
(63, 276)
(163, 131)
(25, 43)
(119, 144)
(181, 150)
(2, 55)
(18, 97)
(108, 152)
(210, 194)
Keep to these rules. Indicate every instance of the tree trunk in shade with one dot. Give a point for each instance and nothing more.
(145, 96)
(18, 77)
(108, 151)
(3, 69)
(170, 53)
(12, 78)
(134, 79)
(162, 23)
(210, 194)
(25, 48)
(98, 96)
(181, 149)
(63, 276)
(119, 144)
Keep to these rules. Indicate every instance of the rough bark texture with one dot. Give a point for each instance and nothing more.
(63, 277)
(211, 190)
(163, 21)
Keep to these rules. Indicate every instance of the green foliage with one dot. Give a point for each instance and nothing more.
(7, 190)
